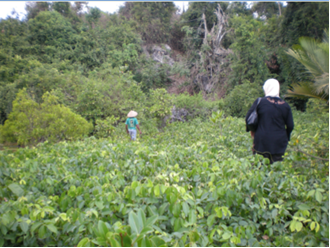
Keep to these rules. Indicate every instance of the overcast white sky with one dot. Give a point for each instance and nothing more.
(6, 7)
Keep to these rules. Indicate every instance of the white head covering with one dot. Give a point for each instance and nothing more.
(132, 114)
(272, 88)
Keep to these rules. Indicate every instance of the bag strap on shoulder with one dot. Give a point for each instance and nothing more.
(259, 99)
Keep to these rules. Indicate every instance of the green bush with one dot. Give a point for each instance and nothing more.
(196, 105)
(159, 104)
(153, 75)
(105, 128)
(317, 106)
(30, 122)
(106, 92)
(241, 98)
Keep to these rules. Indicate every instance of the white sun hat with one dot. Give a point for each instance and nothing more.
(132, 114)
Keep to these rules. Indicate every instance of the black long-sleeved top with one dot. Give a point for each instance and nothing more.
(275, 124)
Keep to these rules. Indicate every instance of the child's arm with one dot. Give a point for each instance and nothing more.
(126, 128)
(138, 128)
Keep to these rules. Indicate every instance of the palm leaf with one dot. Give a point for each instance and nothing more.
(322, 84)
(315, 57)
(305, 90)
(312, 56)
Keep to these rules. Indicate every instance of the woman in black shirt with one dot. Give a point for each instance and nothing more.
(275, 123)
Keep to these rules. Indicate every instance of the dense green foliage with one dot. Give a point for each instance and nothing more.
(84, 58)
(303, 19)
(30, 122)
(152, 19)
(245, 95)
(186, 186)
(248, 64)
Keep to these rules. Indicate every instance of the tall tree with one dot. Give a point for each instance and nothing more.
(33, 8)
(194, 23)
(153, 19)
(250, 52)
(62, 7)
(266, 9)
(303, 19)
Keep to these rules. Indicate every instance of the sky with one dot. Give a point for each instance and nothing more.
(6, 7)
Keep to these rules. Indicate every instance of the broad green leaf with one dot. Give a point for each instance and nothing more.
(127, 242)
(177, 225)
(226, 235)
(35, 226)
(193, 236)
(311, 193)
(157, 190)
(176, 210)
(210, 220)
(163, 188)
(192, 216)
(41, 232)
(318, 196)
(235, 240)
(133, 222)
(141, 218)
(201, 211)
(151, 220)
(303, 206)
(16, 189)
(84, 243)
(299, 226)
(157, 242)
(274, 213)
(312, 225)
(6, 219)
(317, 227)
(99, 204)
(146, 230)
(114, 242)
(102, 228)
(24, 226)
(185, 208)
(219, 212)
(52, 228)
(293, 225)
(145, 242)
(3, 229)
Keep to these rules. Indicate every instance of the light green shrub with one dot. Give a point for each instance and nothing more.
(105, 128)
(30, 122)
(196, 105)
(317, 106)
(159, 103)
(241, 98)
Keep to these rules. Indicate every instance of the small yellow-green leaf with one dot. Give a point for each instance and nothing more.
(312, 225)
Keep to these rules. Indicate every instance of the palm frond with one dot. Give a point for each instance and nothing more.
(315, 57)
(306, 90)
(322, 83)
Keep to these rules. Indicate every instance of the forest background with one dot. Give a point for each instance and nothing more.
(84, 71)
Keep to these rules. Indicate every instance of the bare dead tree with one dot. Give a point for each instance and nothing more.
(218, 31)
(279, 7)
(206, 73)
